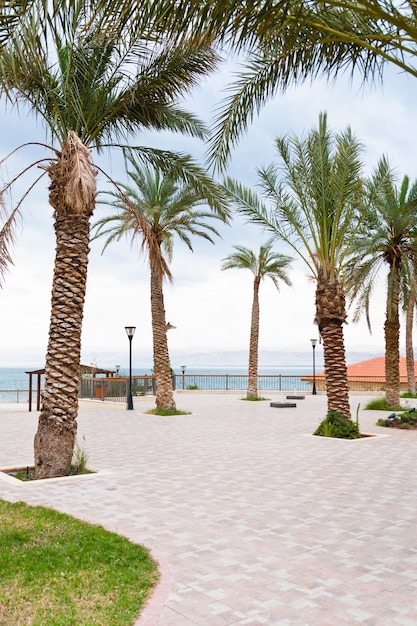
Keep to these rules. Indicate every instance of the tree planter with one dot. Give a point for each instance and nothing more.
(26, 474)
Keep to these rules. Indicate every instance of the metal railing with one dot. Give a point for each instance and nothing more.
(115, 389)
(239, 382)
(15, 395)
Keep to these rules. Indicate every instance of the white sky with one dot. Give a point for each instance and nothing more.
(210, 308)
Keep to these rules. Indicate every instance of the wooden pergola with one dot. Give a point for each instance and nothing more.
(85, 369)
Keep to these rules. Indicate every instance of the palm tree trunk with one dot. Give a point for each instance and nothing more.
(57, 427)
(409, 350)
(392, 341)
(254, 343)
(331, 315)
(161, 363)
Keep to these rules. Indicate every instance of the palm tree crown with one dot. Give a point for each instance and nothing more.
(267, 264)
(104, 88)
(156, 207)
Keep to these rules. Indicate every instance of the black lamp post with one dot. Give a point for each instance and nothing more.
(183, 368)
(130, 331)
(314, 343)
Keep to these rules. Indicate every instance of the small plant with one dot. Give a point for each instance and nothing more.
(335, 425)
(167, 412)
(79, 460)
(380, 404)
(254, 398)
(327, 429)
(192, 387)
(407, 394)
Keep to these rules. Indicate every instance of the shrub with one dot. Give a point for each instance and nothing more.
(335, 425)
(380, 404)
(405, 419)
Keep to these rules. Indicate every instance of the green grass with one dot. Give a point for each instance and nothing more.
(407, 394)
(165, 412)
(59, 571)
(380, 404)
(254, 398)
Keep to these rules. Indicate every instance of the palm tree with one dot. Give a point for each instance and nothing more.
(156, 207)
(267, 264)
(93, 88)
(315, 195)
(388, 238)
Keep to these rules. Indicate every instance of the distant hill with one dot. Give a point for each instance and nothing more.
(266, 358)
(33, 358)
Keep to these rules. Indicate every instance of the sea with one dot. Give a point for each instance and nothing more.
(14, 381)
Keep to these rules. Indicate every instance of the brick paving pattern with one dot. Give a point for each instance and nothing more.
(253, 520)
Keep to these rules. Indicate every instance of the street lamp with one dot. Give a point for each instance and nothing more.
(183, 368)
(314, 343)
(130, 331)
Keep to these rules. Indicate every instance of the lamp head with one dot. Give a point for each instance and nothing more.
(130, 331)
(313, 342)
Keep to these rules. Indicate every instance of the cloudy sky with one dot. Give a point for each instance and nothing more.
(210, 308)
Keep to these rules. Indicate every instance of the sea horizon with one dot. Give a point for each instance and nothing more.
(14, 378)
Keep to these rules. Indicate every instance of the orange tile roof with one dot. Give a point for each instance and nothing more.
(371, 368)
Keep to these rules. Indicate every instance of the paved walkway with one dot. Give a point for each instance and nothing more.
(252, 520)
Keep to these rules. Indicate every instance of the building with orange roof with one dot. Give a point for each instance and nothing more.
(366, 375)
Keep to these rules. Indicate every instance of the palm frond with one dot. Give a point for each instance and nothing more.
(8, 235)
(265, 263)
(301, 40)
(158, 203)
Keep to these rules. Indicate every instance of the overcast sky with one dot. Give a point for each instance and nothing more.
(210, 308)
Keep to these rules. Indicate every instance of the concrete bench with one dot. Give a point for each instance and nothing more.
(295, 397)
(283, 405)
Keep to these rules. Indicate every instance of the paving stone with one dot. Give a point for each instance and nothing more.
(252, 520)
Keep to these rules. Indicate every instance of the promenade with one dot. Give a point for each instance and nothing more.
(252, 519)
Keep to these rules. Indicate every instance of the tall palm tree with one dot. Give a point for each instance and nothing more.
(388, 239)
(266, 264)
(155, 207)
(314, 195)
(93, 88)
